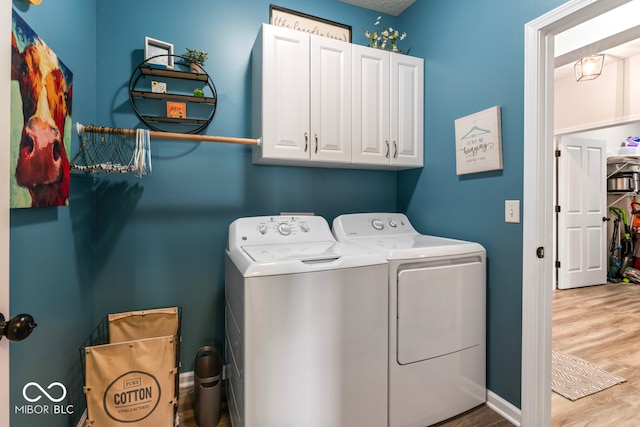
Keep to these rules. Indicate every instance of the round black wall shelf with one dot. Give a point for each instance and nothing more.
(172, 99)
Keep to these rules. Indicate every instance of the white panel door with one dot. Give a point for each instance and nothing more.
(407, 110)
(330, 100)
(285, 96)
(582, 248)
(370, 112)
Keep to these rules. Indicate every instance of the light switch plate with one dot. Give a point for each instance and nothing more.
(512, 211)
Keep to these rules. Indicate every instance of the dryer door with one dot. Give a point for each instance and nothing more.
(441, 308)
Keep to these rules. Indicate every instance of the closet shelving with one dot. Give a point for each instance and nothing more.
(621, 163)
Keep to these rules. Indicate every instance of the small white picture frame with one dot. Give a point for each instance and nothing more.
(154, 47)
(479, 142)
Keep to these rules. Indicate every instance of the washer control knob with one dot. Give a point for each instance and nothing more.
(284, 229)
(304, 228)
(392, 223)
(263, 229)
(377, 224)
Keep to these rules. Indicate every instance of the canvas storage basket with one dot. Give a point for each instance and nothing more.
(132, 380)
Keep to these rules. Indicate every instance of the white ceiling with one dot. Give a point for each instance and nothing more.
(615, 33)
(617, 53)
(390, 7)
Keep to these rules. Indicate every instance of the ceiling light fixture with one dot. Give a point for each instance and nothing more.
(589, 67)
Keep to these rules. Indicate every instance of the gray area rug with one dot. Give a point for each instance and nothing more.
(574, 378)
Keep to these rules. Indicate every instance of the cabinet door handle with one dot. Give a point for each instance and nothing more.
(395, 148)
(306, 142)
(387, 155)
(316, 136)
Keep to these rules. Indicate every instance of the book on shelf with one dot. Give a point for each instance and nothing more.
(176, 110)
(158, 87)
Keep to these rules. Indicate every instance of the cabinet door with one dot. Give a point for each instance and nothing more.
(330, 100)
(285, 94)
(407, 114)
(370, 114)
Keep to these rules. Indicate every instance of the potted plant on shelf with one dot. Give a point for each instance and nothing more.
(196, 59)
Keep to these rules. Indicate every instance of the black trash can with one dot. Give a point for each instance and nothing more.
(207, 381)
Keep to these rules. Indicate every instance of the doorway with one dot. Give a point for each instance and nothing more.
(538, 209)
(5, 89)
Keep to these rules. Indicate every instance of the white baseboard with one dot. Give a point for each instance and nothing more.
(504, 408)
(186, 380)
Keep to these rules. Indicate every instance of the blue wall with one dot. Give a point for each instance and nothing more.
(474, 59)
(126, 243)
(52, 267)
(167, 247)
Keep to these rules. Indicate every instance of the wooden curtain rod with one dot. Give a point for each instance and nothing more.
(167, 135)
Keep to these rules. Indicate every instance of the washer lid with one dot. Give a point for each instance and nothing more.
(292, 258)
(308, 251)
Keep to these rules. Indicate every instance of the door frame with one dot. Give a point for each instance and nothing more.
(5, 91)
(538, 212)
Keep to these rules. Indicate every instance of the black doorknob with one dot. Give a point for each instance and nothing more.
(605, 218)
(17, 328)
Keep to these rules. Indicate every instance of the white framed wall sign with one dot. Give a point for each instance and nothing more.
(479, 142)
(281, 17)
(153, 48)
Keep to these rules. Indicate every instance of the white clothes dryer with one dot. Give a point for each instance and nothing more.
(437, 301)
(306, 326)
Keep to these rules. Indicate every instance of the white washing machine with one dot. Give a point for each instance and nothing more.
(436, 317)
(306, 326)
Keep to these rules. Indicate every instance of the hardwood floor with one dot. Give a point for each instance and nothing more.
(482, 416)
(187, 417)
(600, 324)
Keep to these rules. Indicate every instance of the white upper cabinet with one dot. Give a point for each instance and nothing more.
(407, 111)
(330, 100)
(281, 94)
(323, 102)
(302, 98)
(371, 123)
(388, 108)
